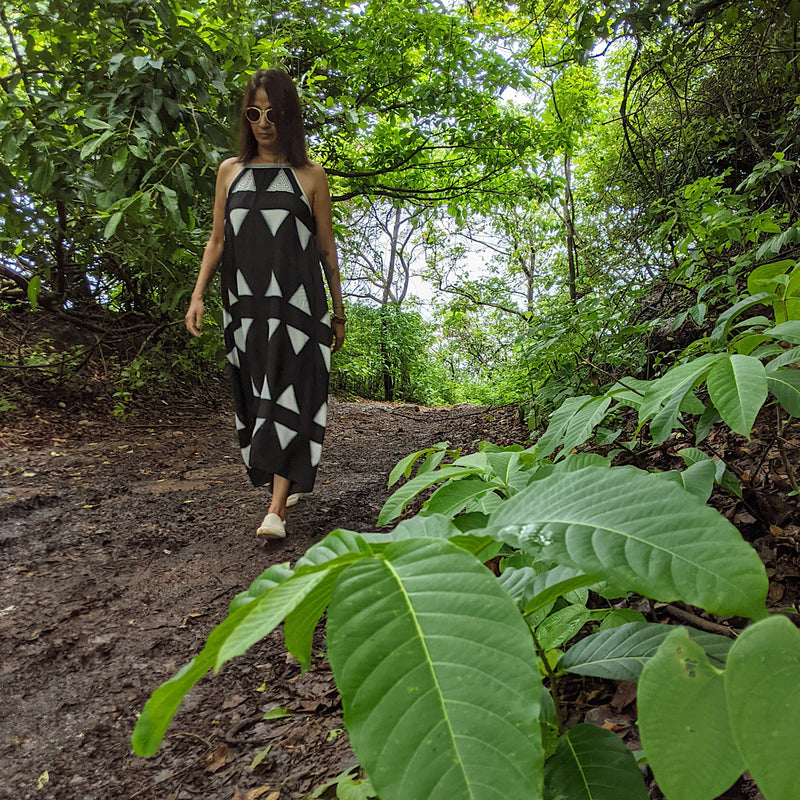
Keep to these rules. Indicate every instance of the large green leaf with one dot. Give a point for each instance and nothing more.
(268, 611)
(519, 583)
(504, 466)
(531, 590)
(431, 526)
(163, 703)
(620, 653)
(683, 721)
(394, 506)
(554, 583)
(433, 457)
(787, 357)
(557, 426)
(763, 277)
(592, 764)
(437, 526)
(737, 386)
(679, 380)
(668, 416)
(785, 385)
(583, 422)
(302, 620)
(562, 625)
(268, 579)
(697, 478)
(642, 536)
(454, 497)
(786, 331)
(720, 333)
(438, 676)
(762, 687)
(337, 543)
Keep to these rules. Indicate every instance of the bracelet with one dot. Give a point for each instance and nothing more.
(337, 318)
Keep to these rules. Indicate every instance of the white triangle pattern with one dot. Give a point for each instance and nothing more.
(237, 218)
(246, 182)
(288, 399)
(297, 338)
(281, 183)
(241, 284)
(274, 217)
(303, 234)
(285, 435)
(274, 288)
(240, 334)
(300, 300)
(326, 355)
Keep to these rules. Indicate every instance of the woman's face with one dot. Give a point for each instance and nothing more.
(263, 130)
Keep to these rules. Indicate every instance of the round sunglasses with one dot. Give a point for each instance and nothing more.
(254, 113)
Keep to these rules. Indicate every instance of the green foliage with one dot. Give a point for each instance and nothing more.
(387, 356)
(449, 695)
(592, 764)
(737, 382)
(460, 698)
(719, 722)
(112, 124)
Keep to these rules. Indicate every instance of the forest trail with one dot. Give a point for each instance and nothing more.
(122, 545)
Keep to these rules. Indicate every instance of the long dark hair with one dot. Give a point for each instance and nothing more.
(283, 97)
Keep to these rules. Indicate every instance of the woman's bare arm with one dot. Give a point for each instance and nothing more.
(213, 252)
(323, 214)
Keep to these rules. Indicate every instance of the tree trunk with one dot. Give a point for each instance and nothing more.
(569, 222)
(388, 389)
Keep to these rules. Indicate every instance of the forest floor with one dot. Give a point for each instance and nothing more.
(122, 543)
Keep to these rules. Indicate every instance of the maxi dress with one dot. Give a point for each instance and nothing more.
(277, 325)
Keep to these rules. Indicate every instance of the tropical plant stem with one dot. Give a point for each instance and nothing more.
(553, 682)
(787, 465)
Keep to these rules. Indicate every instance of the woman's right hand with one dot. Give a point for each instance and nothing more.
(194, 316)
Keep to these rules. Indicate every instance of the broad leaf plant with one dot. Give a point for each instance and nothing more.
(449, 674)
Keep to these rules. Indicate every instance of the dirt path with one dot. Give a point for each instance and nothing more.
(120, 548)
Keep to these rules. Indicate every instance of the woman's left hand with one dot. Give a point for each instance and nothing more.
(338, 336)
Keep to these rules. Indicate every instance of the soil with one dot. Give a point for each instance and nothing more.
(121, 545)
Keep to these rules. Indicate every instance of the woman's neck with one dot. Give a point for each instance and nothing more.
(264, 156)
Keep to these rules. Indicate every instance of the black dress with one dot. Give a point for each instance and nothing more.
(277, 326)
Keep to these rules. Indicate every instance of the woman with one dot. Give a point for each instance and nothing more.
(271, 228)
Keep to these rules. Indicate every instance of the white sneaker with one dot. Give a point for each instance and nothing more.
(272, 527)
(292, 499)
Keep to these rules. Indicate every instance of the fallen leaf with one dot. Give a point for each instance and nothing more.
(624, 696)
(216, 760)
(43, 779)
(255, 794)
(277, 713)
(259, 757)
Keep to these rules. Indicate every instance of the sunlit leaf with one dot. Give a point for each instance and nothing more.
(454, 712)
